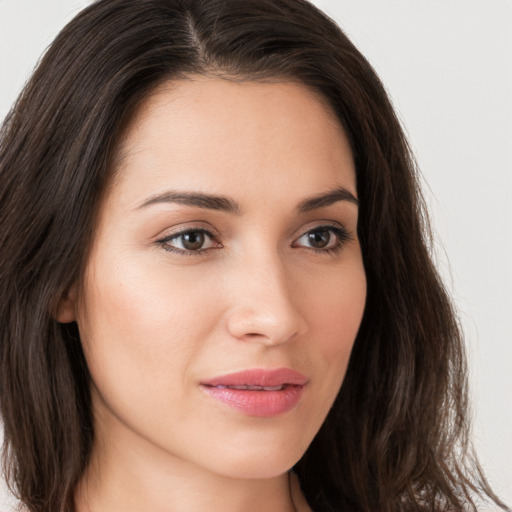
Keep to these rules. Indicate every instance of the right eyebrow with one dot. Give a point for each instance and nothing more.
(326, 199)
(197, 200)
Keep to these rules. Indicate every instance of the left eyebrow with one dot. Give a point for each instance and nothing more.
(326, 199)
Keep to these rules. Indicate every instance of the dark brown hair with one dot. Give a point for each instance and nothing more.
(397, 436)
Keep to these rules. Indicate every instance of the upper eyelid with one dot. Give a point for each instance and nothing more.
(173, 233)
(329, 224)
(211, 231)
(190, 230)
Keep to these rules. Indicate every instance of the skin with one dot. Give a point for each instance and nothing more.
(155, 323)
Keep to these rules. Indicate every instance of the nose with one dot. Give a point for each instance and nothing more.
(262, 306)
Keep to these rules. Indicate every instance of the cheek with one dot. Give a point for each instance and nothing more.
(334, 314)
(134, 323)
(335, 310)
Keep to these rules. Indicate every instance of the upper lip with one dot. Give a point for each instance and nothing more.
(259, 377)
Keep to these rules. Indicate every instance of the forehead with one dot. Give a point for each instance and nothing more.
(215, 134)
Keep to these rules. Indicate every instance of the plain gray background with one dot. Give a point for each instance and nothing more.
(447, 65)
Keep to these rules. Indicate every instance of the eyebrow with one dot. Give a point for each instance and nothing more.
(326, 199)
(208, 201)
(226, 204)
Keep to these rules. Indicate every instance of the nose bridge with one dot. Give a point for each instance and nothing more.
(262, 308)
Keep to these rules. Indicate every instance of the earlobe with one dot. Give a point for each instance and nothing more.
(65, 312)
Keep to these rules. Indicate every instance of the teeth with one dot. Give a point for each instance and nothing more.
(253, 388)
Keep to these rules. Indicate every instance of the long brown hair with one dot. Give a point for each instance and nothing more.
(396, 438)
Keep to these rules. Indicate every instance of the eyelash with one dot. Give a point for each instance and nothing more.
(340, 233)
(164, 242)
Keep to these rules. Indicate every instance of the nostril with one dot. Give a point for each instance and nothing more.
(266, 324)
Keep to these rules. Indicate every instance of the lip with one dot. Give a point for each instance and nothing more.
(258, 392)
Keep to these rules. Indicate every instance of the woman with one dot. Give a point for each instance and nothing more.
(215, 269)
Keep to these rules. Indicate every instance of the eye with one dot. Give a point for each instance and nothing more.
(323, 238)
(189, 241)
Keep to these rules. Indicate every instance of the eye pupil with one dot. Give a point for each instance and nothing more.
(193, 240)
(319, 239)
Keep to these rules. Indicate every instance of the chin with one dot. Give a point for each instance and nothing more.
(260, 470)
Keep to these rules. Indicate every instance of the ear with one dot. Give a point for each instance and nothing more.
(65, 311)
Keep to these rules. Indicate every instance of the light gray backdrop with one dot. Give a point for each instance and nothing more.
(448, 67)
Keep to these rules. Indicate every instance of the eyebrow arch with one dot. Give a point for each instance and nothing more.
(326, 199)
(197, 200)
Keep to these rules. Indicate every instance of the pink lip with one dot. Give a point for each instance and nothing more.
(264, 402)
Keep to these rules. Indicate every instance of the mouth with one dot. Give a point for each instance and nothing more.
(258, 392)
(254, 388)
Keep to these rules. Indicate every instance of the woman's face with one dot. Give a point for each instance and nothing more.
(225, 286)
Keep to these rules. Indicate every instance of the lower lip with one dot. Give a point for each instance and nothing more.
(258, 403)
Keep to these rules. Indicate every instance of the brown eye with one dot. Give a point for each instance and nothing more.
(323, 239)
(319, 239)
(193, 240)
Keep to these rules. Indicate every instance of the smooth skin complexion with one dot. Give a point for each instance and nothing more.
(227, 242)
